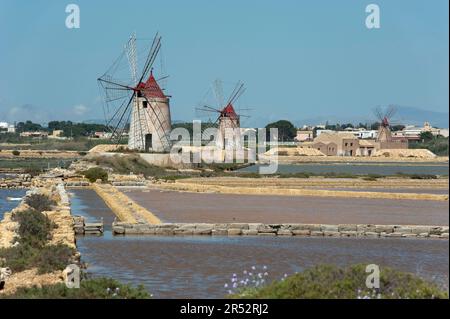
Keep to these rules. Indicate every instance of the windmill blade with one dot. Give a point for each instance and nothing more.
(156, 46)
(108, 82)
(390, 111)
(378, 113)
(205, 110)
(130, 49)
(218, 93)
(211, 108)
(233, 93)
(236, 92)
(241, 91)
(122, 116)
(162, 78)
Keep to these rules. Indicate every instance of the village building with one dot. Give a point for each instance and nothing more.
(5, 127)
(412, 132)
(57, 134)
(304, 135)
(36, 134)
(340, 144)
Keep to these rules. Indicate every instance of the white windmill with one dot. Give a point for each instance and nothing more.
(138, 103)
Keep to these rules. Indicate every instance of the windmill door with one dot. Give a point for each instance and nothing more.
(148, 142)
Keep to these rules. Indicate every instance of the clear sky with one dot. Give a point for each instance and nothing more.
(299, 59)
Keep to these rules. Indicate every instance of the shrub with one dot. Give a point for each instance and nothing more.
(423, 176)
(34, 227)
(54, 257)
(98, 288)
(95, 173)
(331, 282)
(15, 153)
(32, 170)
(40, 202)
(45, 258)
(295, 175)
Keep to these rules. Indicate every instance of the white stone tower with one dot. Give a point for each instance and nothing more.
(150, 123)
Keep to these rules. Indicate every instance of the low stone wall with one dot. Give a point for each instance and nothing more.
(18, 181)
(256, 229)
(125, 209)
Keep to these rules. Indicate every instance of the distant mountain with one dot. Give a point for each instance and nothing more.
(404, 115)
(416, 116)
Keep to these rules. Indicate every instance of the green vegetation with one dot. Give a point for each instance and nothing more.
(34, 227)
(95, 173)
(28, 126)
(33, 165)
(286, 130)
(45, 258)
(436, 144)
(98, 288)
(331, 282)
(39, 202)
(32, 250)
(367, 177)
(127, 164)
(69, 128)
(15, 153)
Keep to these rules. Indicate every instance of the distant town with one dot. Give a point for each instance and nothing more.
(326, 139)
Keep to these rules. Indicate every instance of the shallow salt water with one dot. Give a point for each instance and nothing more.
(6, 205)
(198, 267)
(358, 168)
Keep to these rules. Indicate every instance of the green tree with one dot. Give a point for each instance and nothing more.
(398, 127)
(426, 136)
(28, 126)
(286, 130)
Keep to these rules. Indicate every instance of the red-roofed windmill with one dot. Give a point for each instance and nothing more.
(227, 117)
(384, 118)
(138, 105)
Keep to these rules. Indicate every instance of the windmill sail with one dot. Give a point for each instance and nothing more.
(135, 101)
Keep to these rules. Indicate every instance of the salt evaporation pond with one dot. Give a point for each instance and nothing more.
(358, 168)
(198, 267)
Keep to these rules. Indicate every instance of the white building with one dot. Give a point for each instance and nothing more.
(320, 131)
(413, 132)
(5, 127)
(363, 133)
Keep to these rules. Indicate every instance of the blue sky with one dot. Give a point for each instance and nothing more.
(299, 59)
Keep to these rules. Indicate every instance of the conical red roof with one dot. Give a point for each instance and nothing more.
(229, 111)
(151, 88)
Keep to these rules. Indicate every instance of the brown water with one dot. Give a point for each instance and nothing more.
(173, 206)
(198, 267)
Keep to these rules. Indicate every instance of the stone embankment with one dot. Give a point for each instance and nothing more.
(125, 209)
(63, 233)
(256, 229)
(59, 215)
(193, 187)
(16, 181)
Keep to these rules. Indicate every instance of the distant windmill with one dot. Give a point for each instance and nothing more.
(134, 99)
(384, 118)
(227, 117)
